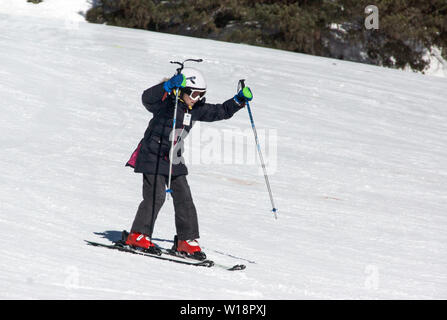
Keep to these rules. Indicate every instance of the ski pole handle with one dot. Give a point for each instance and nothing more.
(182, 64)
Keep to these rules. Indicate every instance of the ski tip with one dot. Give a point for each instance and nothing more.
(207, 263)
(237, 267)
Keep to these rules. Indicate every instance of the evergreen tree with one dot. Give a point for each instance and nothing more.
(407, 29)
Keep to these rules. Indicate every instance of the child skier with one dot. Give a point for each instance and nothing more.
(151, 158)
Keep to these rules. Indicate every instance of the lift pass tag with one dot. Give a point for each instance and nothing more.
(187, 119)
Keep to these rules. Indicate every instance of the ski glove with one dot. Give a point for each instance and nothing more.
(243, 96)
(177, 81)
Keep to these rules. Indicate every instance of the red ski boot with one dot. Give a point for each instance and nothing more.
(189, 248)
(139, 240)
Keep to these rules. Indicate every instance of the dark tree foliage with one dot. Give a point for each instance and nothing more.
(407, 28)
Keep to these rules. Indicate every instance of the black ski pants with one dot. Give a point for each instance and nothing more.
(154, 195)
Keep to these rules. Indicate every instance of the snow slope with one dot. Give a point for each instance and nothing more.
(358, 171)
(67, 10)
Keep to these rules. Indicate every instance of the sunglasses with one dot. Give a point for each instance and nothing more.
(194, 94)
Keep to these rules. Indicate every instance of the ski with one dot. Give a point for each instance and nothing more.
(173, 252)
(176, 254)
(120, 247)
(167, 255)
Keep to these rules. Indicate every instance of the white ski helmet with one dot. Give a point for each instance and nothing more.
(194, 79)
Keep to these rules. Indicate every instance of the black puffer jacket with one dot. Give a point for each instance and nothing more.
(152, 154)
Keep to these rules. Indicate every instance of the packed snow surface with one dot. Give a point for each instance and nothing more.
(356, 156)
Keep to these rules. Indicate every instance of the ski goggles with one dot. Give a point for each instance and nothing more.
(194, 94)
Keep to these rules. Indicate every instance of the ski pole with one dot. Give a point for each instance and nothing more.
(171, 151)
(241, 85)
